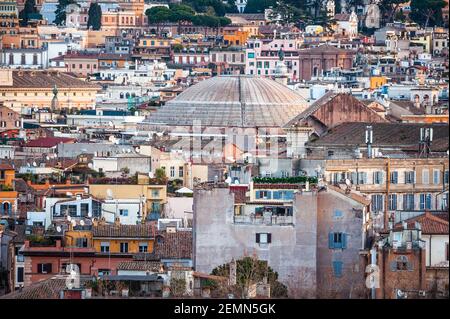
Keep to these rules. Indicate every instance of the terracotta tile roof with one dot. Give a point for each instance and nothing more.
(124, 231)
(239, 193)
(141, 265)
(5, 167)
(431, 224)
(176, 245)
(48, 142)
(46, 289)
(47, 79)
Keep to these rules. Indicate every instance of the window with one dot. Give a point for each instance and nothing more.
(263, 195)
(410, 177)
(143, 247)
(44, 268)
(81, 242)
(338, 213)
(263, 238)
(266, 65)
(378, 177)
(251, 55)
(436, 178)
(155, 193)
(123, 212)
(392, 202)
(20, 274)
(172, 171)
(337, 268)
(180, 171)
(258, 64)
(104, 272)
(362, 178)
(337, 240)
(408, 202)
(377, 203)
(84, 209)
(123, 247)
(446, 177)
(425, 176)
(104, 247)
(425, 201)
(401, 263)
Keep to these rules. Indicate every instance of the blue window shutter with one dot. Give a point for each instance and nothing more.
(337, 268)
(330, 240)
(269, 195)
(422, 201)
(344, 240)
(258, 194)
(428, 201)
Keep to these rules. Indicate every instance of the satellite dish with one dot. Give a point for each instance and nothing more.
(348, 182)
(58, 229)
(74, 222)
(228, 180)
(47, 158)
(150, 174)
(137, 150)
(34, 164)
(69, 218)
(82, 222)
(109, 193)
(28, 164)
(90, 165)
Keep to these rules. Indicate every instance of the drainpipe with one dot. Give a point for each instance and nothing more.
(373, 261)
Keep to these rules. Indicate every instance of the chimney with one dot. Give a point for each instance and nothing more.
(6, 77)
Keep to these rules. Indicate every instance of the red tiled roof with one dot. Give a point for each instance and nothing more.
(176, 245)
(48, 142)
(140, 265)
(124, 231)
(239, 193)
(431, 224)
(5, 167)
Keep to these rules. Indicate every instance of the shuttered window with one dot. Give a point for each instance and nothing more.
(337, 240)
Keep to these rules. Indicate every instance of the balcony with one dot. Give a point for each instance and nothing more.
(265, 220)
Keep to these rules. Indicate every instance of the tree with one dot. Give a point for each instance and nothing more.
(427, 12)
(160, 173)
(29, 8)
(60, 13)
(258, 6)
(249, 271)
(125, 171)
(94, 16)
(158, 15)
(388, 9)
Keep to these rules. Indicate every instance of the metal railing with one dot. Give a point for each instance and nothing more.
(267, 221)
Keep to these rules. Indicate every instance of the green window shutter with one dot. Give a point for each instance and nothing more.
(344, 240)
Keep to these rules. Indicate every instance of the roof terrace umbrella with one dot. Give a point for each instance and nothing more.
(184, 190)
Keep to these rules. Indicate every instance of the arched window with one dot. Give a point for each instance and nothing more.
(127, 95)
(6, 208)
(121, 95)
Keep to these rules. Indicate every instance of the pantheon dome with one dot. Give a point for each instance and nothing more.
(231, 101)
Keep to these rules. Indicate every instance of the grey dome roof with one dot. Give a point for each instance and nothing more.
(241, 101)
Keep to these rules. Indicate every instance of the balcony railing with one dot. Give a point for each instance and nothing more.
(264, 221)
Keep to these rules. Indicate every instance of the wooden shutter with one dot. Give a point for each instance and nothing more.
(330, 240)
(257, 238)
(269, 238)
(344, 240)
